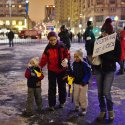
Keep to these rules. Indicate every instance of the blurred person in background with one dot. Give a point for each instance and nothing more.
(10, 36)
(65, 36)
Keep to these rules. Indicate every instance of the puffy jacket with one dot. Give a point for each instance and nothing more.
(33, 81)
(81, 72)
(53, 56)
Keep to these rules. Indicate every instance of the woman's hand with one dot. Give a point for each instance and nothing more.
(64, 63)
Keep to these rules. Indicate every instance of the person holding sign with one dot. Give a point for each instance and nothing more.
(105, 74)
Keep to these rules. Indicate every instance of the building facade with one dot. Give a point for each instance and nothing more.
(13, 14)
(80, 11)
(49, 12)
(63, 12)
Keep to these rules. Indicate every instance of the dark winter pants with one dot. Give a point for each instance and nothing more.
(11, 42)
(54, 79)
(34, 93)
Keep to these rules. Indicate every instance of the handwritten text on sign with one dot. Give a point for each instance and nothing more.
(104, 44)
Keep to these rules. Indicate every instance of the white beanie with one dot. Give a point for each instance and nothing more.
(79, 54)
(35, 60)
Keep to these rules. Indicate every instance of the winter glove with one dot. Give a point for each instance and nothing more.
(64, 63)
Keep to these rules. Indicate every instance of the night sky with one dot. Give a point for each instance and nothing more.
(37, 9)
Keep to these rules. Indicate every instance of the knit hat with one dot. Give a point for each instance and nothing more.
(52, 33)
(35, 60)
(89, 23)
(107, 26)
(108, 20)
(79, 54)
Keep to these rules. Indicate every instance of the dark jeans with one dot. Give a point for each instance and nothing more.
(53, 78)
(104, 84)
(11, 42)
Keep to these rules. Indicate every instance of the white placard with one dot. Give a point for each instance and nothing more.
(104, 44)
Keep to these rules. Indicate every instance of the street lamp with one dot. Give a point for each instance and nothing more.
(80, 27)
(116, 21)
(68, 21)
(10, 10)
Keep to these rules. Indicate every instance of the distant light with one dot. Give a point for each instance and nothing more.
(14, 22)
(91, 19)
(20, 6)
(80, 25)
(20, 23)
(27, 1)
(7, 22)
(116, 18)
(1, 22)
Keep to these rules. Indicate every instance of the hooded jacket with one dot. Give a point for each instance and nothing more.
(53, 56)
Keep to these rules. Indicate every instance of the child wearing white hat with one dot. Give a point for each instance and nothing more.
(34, 76)
(81, 73)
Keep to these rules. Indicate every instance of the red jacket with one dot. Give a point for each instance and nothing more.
(33, 81)
(53, 56)
(123, 44)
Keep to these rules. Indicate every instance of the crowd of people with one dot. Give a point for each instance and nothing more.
(57, 58)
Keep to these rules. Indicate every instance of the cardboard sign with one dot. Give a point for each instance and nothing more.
(104, 44)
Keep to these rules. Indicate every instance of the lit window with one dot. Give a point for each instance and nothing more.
(14, 22)
(98, 2)
(20, 6)
(7, 22)
(13, 5)
(7, 5)
(1, 22)
(20, 23)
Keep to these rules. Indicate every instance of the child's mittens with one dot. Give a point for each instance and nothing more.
(64, 63)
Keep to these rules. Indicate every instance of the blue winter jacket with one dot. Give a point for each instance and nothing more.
(81, 72)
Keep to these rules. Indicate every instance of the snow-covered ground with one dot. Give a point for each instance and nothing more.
(13, 89)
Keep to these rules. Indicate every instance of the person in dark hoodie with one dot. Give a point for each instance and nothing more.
(105, 75)
(65, 36)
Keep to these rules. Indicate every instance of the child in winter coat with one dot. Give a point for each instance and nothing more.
(34, 76)
(81, 73)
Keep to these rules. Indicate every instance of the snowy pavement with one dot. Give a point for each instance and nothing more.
(13, 92)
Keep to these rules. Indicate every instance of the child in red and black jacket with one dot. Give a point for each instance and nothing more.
(34, 76)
